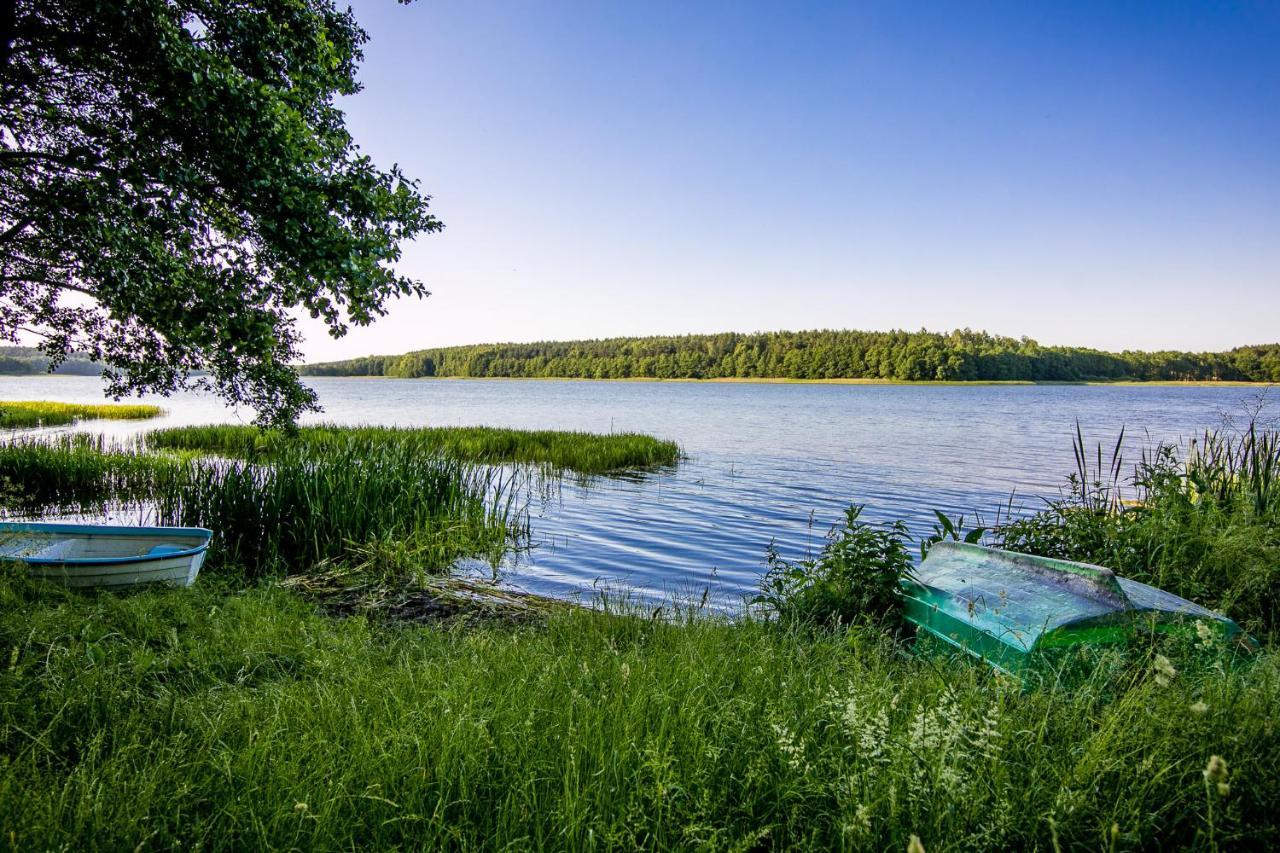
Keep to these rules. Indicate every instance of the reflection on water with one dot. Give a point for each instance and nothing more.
(767, 462)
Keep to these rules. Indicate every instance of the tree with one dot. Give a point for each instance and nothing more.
(175, 178)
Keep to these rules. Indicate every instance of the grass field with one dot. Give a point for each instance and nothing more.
(225, 718)
(18, 414)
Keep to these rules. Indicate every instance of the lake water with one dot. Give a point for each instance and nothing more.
(767, 462)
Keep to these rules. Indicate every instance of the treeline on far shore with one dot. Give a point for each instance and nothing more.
(27, 361)
(962, 355)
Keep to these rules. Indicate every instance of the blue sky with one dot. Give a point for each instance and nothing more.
(1096, 174)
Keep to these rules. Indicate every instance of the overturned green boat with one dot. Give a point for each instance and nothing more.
(1006, 607)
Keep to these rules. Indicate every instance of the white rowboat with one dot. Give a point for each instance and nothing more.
(105, 555)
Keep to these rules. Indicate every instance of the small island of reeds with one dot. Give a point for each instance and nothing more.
(581, 452)
(19, 414)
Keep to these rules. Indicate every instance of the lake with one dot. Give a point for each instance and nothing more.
(767, 462)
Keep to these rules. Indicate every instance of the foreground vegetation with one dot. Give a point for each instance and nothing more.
(906, 356)
(279, 704)
(582, 452)
(244, 719)
(17, 414)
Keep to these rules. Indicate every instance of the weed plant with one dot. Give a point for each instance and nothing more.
(581, 452)
(856, 580)
(20, 414)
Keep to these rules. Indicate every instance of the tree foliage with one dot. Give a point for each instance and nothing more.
(175, 176)
(905, 356)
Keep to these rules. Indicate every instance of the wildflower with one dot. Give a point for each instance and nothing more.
(626, 672)
(1206, 634)
(915, 845)
(299, 807)
(1165, 671)
(787, 745)
(1215, 774)
(861, 823)
(1199, 709)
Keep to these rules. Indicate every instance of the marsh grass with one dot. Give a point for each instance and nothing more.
(243, 719)
(281, 516)
(19, 414)
(580, 452)
(1199, 518)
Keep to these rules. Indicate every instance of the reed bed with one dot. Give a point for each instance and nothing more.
(21, 414)
(305, 506)
(580, 452)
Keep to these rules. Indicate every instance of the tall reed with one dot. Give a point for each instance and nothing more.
(283, 516)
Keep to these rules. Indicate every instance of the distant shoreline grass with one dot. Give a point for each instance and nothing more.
(19, 414)
(581, 452)
(1155, 383)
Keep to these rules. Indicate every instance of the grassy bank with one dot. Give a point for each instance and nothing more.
(581, 452)
(243, 719)
(18, 414)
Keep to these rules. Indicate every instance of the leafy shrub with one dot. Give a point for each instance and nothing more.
(855, 580)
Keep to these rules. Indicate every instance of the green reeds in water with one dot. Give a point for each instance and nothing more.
(19, 414)
(580, 452)
(281, 516)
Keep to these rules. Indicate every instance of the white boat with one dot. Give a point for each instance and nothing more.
(105, 555)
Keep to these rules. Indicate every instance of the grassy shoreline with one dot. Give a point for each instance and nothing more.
(1154, 383)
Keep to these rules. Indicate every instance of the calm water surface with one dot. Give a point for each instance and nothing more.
(767, 462)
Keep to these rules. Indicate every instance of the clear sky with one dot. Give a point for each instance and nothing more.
(1096, 174)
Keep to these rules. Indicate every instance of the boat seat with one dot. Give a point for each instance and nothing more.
(159, 550)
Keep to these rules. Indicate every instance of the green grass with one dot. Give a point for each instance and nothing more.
(224, 719)
(1200, 519)
(19, 414)
(581, 452)
(306, 505)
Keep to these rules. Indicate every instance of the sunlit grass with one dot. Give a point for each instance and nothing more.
(247, 720)
(582, 452)
(18, 414)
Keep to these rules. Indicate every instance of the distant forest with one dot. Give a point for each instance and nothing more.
(905, 356)
(24, 361)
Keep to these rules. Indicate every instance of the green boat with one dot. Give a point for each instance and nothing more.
(1005, 607)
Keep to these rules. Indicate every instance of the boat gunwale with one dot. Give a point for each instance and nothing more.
(105, 530)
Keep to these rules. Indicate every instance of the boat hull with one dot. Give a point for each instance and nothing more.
(178, 571)
(106, 556)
